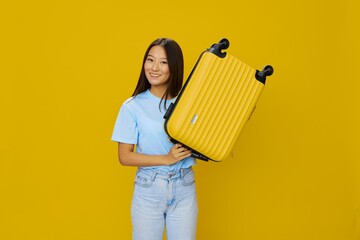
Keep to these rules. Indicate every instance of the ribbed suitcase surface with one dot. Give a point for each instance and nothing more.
(214, 105)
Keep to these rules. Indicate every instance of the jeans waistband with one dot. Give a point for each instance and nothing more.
(153, 173)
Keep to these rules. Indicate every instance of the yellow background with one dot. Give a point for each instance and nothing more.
(66, 66)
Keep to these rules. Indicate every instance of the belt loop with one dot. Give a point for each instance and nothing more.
(154, 173)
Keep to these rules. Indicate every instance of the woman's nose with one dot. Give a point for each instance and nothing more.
(155, 66)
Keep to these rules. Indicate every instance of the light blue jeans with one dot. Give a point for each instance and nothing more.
(164, 199)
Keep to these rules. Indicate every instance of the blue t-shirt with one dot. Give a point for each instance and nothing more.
(140, 122)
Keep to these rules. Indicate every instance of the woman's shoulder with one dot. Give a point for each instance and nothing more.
(128, 101)
(139, 99)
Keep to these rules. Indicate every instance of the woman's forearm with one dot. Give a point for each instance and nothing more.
(141, 160)
(128, 157)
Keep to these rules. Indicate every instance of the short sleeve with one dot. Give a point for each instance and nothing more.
(125, 129)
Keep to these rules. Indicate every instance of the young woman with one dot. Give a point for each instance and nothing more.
(164, 189)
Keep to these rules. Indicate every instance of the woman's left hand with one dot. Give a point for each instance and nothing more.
(176, 154)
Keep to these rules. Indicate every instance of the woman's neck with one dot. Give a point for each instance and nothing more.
(158, 92)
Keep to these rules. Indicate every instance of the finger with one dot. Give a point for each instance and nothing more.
(186, 155)
(181, 150)
(186, 152)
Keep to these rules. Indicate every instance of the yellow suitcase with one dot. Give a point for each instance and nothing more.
(215, 103)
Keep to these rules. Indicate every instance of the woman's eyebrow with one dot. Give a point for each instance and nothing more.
(149, 55)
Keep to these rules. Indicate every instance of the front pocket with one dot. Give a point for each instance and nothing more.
(143, 180)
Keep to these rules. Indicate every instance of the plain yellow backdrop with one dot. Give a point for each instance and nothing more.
(66, 67)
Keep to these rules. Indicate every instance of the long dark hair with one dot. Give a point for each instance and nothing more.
(175, 61)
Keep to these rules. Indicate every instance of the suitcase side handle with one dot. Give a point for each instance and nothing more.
(169, 111)
(218, 47)
(194, 153)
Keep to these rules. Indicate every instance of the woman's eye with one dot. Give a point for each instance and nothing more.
(149, 60)
(163, 62)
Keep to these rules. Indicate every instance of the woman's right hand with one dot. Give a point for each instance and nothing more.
(176, 154)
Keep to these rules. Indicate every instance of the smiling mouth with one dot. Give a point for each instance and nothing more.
(154, 75)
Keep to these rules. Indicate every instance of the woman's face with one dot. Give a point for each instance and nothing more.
(156, 67)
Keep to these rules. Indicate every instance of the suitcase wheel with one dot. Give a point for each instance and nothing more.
(224, 43)
(217, 48)
(268, 70)
(261, 75)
